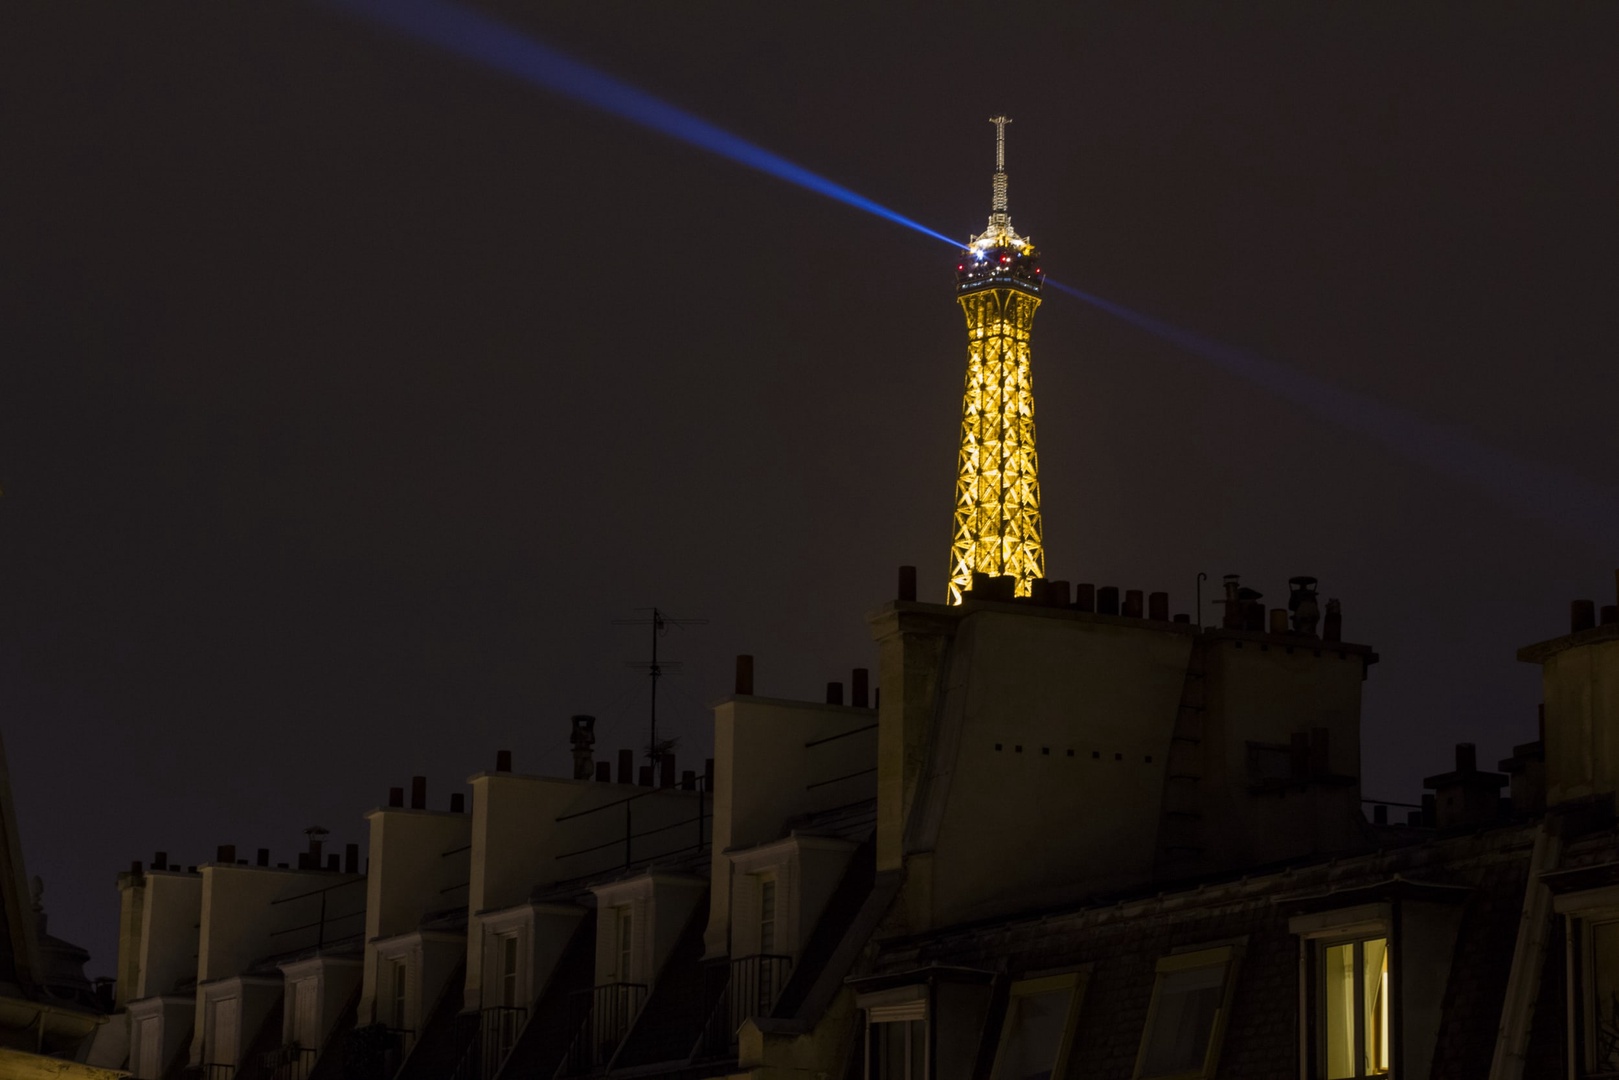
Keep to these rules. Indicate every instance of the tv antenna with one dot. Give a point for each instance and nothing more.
(656, 669)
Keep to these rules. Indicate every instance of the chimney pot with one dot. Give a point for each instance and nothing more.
(418, 793)
(604, 772)
(626, 766)
(226, 853)
(160, 860)
(503, 761)
(1133, 604)
(907, 583)
(1278, 620)
(136, 866)
(458, 802)
(396, 796)
(744, 675)
(264, 856)
(1332, 626)
(1158, 606)
(667, 779)
(834, 693)
(1057, 593)
(1581, 616)
(351, 858)
(1107, 600)
(860, 688)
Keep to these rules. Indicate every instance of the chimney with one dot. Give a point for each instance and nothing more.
(744, 675)
(264, 856)
(646, 776)
(1610, 614)
(834, 693)
(225, 853)
(1158, 606)
(160, 860)
(1085, 596)
(583, 738)
(860, 688)
(1527, 770)
(503, 761)
(135, 867)
(458, 803)
(1465, 796)
(907, 583)
(1332, 626)
(351, 858)
(396, 796)
(1278, 620)
(667, 763)
(604, 772)
(1133, 604)
(1107, 600)
(626, 766)
(1581, 616)
(418, 793)
(1057, 593)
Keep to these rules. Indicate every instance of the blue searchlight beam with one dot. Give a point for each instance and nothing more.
(478, 37)
(1542, 492)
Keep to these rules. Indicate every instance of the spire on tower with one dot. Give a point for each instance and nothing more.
(1000, 122)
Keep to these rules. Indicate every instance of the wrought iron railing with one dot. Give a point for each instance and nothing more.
(399, 1047)
(218, 1071)
(750, 988)
(601, 1018)
(498, 1029)
(289, 1062)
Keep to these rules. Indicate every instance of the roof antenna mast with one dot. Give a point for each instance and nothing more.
(1000, 122)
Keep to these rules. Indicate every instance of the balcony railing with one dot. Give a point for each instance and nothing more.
(218, 1071)
(602, 1017)
(498, 1029)
(399, 1046)
(290, 1062)
(751, 986)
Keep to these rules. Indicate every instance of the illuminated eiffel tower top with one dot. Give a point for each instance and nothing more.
(1000, 234)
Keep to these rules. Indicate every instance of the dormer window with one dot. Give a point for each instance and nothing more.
(1355, 1008)
(623, 944)
(767, 915)
(1191, 998)
(509, 994)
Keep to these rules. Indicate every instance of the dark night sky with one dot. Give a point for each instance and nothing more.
(349, 392)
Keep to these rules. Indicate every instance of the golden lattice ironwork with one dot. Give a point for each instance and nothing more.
(997, 518)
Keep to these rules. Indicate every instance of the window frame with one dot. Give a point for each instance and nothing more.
(767, 885)
(1228, 954)
(1075, 982)
(623, 943)
(900, 1012)
(1582, 911)
(1318, 932)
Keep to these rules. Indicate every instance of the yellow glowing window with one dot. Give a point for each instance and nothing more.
(1355, 1009)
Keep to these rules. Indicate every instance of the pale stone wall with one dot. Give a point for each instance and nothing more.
(411, 866)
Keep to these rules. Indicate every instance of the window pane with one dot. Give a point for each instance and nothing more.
(890, 1043)
(1605, 996)
(1338, 1002)
(1184, 1020)
(1035, 1035)
(1375, 987)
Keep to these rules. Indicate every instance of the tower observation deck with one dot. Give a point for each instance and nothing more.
(997, 520)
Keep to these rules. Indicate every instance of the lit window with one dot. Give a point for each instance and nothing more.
(1355, 1007)
(896, 1042)
(1039, 1027)
(508, 970)
(767, 916)
(1186, 1018)
(625, 942)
